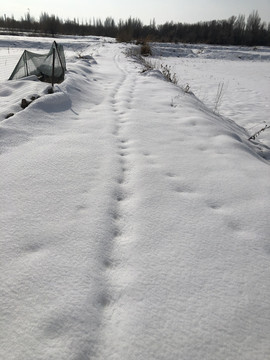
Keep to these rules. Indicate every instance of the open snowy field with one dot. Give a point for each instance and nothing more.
(134, 219)
(233, 81)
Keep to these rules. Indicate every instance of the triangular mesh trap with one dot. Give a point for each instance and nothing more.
(50, 67)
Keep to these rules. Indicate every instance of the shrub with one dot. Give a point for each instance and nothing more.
(146, 49)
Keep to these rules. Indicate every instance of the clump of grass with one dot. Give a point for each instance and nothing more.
(82, 56)
(220, 93)
(148, 65)
(146, 50)
(186, 88)
(253, 137)
(167, 73)
(79, 55)
(135, 53)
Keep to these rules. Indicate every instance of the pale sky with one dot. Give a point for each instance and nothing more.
(189, 11)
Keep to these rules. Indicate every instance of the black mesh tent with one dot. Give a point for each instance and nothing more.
(50, 67)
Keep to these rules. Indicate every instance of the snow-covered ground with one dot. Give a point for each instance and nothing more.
(134, 220)
(240, 74)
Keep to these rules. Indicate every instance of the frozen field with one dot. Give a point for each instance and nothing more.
(134, 219)
(241, 73)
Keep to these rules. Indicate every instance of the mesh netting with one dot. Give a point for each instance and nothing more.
(49, 67)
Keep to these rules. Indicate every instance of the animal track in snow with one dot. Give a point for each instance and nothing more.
(120, 195)
(214, 205)
(146, 153)
(117, 232)
(123, 154)
(170, 174)
(103, 300)
(81, 207)
(182, 189)
(121, 104)
(32, 248)
(120, 180)
(179, 185)
(149, 158)
(108, 263)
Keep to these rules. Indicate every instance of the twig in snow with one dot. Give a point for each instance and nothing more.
(219, 95)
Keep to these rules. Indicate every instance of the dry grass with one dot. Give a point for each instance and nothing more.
(146, 49)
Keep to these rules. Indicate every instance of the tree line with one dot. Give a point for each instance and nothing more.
(239, 30)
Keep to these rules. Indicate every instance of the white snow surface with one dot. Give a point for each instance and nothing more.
(242, 74)
(132, 226)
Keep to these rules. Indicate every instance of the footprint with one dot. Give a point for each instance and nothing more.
(120, 197)
(120, 180)
(103, 300)
(214, 206)
(81, 207)
(115, 215)
(179, 189)
(234, 225)
(32, 248)
(183, 188)
(146, 153)
(202, 148)
(108, 263)
(116, 233)
(122, 153)
(170, 174)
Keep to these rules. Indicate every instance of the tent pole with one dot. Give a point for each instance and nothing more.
(26, 65)
(59, 57)
(53, 68)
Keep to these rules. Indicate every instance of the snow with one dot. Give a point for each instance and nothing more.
(241, 72)
(134, 219)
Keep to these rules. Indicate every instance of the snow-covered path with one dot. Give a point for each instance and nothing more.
(132, 227)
